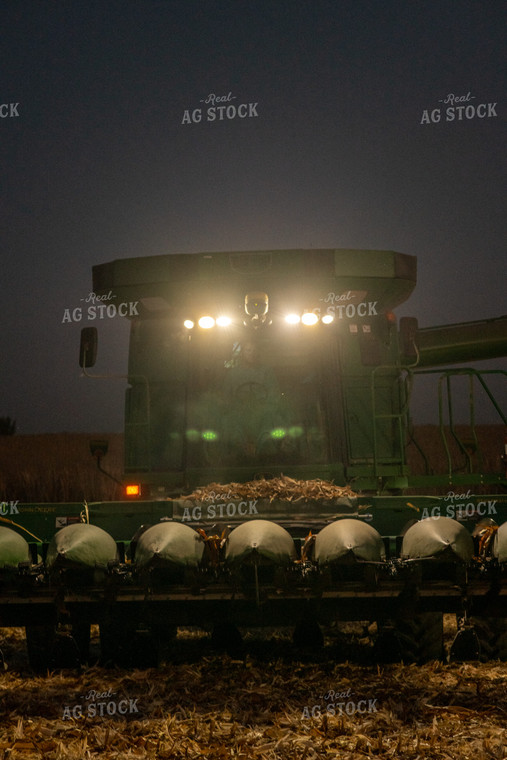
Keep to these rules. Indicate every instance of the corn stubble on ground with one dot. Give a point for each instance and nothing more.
(219, 707)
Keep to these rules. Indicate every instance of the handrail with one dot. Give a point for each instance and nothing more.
(444, 381)
(445, 404)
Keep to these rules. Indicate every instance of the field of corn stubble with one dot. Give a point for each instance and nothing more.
(271, 702)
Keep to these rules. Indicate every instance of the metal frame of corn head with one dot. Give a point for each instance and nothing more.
(389, 582)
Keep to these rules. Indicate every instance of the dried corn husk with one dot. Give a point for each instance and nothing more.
(282, 488)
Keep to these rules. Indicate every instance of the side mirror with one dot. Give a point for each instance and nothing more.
(88, 347)
(99, 449)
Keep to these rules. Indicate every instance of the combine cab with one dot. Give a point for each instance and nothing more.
(266, 481)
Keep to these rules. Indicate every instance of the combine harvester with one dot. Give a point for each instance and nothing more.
(266, 482)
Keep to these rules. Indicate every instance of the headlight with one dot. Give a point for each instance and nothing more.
(206, 322)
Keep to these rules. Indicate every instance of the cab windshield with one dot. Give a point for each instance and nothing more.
(244, 399)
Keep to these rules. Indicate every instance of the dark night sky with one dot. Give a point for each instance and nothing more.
(98, 164)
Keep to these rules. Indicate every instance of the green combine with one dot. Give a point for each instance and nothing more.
(266, 479)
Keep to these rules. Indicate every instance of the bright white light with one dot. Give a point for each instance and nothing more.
(188, 324)
(293, 319)
(223, 321)
(309, 318)
(327, 319)
(206, 322)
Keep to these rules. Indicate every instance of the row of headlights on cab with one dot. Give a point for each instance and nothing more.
(309, 318)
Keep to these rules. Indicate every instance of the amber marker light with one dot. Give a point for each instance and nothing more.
(133, 490)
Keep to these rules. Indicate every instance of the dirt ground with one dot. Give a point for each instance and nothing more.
(271, 702)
